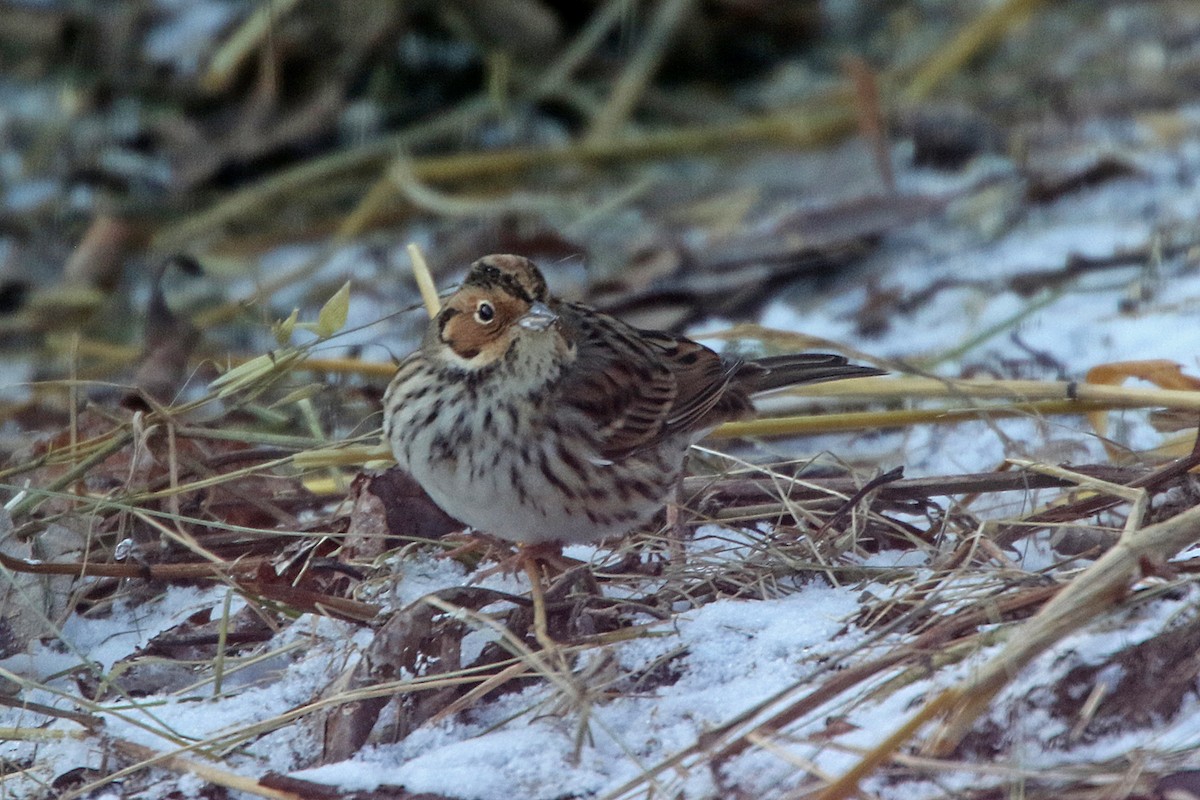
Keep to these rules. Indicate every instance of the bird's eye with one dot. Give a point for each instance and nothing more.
(485, 313)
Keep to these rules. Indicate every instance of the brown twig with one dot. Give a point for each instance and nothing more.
(734, 490)
(1157, 479)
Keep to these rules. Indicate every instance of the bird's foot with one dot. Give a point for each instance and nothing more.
(475, 547)
(546, 557)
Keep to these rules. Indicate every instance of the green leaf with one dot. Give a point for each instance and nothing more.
(296, 395)
(333, 314)
(283, 329)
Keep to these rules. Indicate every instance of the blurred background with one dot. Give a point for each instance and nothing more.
(677, 162)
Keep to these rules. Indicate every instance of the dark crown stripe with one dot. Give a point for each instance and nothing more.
(489, 276)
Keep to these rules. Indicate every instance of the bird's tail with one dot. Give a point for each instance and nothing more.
(780, 371)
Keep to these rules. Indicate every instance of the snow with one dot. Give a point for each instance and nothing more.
(533, 759)
(187, 35)
(106, 641)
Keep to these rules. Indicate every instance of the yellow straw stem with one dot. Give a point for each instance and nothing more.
(424, 280)
(806, 424)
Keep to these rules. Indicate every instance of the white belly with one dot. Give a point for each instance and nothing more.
(520, 481)
(531, 495)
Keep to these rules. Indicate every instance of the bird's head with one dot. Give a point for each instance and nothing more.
(502, 305)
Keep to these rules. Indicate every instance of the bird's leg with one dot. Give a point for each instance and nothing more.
(537, 559)
(548, 555)
(541, 627)
(474, 544)
(676, 529)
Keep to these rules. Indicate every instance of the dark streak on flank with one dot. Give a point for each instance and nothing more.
(554, 480)
(572, 461)
(514, 477)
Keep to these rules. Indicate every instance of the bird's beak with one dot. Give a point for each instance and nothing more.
(538, 318)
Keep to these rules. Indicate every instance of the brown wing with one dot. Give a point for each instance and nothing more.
(709, 387)
(639, 386)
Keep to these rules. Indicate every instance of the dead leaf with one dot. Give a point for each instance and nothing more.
(409, 511)
(418, 640)
(1163, 373)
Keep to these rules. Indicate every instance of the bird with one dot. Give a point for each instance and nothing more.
(546, 422)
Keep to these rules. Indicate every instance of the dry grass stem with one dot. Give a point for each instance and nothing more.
(638, 69)
(1094, 592)
(986, 29)
(424, 281)
(243, 44)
